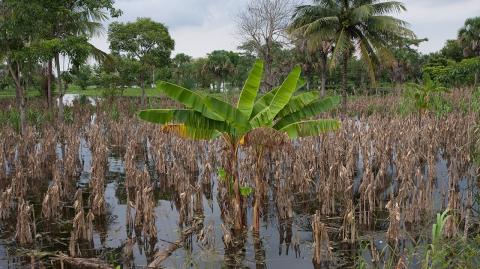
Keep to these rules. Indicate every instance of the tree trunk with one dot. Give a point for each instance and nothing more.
(19, 95)
(324, 83)
(49, 84)
(142, 85)
(323, 75)
(268, 75)
(60, 89)
(153, 78)
(344, 82)
(267, 57)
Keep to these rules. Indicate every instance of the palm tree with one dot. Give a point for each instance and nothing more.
(469, 37)
(220, 66)
(279, 110)
(354, 26)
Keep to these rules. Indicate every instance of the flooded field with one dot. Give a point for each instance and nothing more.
(108, 190)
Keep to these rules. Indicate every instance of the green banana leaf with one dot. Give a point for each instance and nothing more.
(250, 89)
(188, 98)
(187, 117)
(298, 102)
(310, 128)
(263, 102)
(231, 114)
(279, 101)
(308, 111)
(266, 99)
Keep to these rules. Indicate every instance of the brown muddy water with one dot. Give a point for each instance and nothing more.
(368, 192)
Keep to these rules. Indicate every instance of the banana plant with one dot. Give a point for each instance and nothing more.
(206, 117)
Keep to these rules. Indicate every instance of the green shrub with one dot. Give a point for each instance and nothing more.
(68, 116)
(114, 113)
(475, 103)
(10, 118)
(83, 100)
(35, 117)
(455, 73)
(440, 106)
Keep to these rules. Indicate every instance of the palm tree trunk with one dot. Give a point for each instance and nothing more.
(324, 83)
(60, 90)
(344, 82)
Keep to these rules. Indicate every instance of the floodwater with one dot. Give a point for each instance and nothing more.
(282, 243)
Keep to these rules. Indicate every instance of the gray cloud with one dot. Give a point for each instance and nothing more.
(438, 20)
(200, 26)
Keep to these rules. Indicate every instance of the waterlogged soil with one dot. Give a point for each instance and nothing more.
(281, 243)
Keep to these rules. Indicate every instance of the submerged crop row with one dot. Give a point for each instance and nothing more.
(377, 179)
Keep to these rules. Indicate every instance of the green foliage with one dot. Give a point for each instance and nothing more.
(453, 73)
(475, 102)
(224, 177)
(362, 26)
(206, 116)
(425, 97)
(10, 118)
(475, 152)
(35, 117)
(145, 41)
(435, 255)
(114, 113)
(221, 65)
(111, 93)
(68, 115)
(82, 76)
(452, 50)
(456, 252)
(469, 37)
(246, 191)
(83, 100)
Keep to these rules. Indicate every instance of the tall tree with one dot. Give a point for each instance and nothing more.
(18, 30)
(182, 69)
(147, 41)
(221, 64)
(452, 50)
(469, 37)
(314, 55)
(407, 64)
(263, 24)
(70, 24)
(354, 26)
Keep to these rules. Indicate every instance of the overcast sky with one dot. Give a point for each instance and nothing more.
(201, 26)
